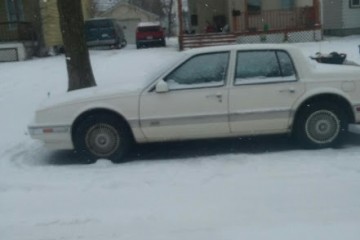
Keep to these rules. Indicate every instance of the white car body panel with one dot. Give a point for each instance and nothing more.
(163, 118)
(221, 111)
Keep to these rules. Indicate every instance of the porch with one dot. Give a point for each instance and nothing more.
(17, 32)
(17, 41)
(212, 22)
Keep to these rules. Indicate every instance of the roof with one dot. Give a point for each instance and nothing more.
(121, 3)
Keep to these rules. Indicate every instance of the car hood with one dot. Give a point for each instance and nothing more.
(87, 95)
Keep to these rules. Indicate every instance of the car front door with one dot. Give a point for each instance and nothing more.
(264, 90)
(196, 104)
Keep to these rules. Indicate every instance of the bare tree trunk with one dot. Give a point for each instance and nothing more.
(78, 64)
(167, 8)
(170, 17)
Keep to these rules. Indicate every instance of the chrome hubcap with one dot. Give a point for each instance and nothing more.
(322, 127)
(102, 140)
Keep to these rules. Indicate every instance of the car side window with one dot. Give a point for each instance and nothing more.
(286, 65)
(254, 67)
(205, 70)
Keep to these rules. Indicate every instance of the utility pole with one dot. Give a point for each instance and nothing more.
(181, 25)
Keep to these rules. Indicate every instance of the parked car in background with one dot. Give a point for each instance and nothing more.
(104, 32)
(149, 34)
(226, 91)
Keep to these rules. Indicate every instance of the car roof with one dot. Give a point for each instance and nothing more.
(249, 47)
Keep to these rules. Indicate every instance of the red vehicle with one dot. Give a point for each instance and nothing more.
(150, 34)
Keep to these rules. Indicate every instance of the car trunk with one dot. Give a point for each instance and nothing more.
(149, 33)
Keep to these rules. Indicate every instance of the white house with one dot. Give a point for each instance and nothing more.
(341, 17)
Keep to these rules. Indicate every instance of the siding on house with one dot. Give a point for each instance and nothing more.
(351, 16)
(332, 14)
(3, 17)
(51, 25)
(339, 19)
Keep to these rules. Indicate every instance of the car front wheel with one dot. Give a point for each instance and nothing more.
(321, 125)
(102, 136)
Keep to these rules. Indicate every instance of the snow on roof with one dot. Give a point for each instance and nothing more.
(148, 24)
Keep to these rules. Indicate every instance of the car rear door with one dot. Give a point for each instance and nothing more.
(196, 105)
(265, 87)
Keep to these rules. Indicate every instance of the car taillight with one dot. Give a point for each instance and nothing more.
(140, 35)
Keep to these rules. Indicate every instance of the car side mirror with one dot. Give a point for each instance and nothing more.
(161, 86)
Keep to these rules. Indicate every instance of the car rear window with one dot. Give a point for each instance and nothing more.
(99, 24)
(149, 29)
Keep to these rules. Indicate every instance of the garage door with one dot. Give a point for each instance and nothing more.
(130, 29)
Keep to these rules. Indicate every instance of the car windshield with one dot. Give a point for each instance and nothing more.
(156, 73)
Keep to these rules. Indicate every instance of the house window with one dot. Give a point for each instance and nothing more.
(354, 3)
(15, 10)
(254, 6)
(287, 4)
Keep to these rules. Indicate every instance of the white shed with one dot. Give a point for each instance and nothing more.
(130, 16)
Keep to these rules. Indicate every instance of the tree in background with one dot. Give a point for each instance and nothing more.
(168, 7)
(80, 74)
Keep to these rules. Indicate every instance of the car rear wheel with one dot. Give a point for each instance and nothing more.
(321, 125)
(102, 137)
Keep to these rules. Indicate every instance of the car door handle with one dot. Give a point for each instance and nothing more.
(287, 90)
(218, 96)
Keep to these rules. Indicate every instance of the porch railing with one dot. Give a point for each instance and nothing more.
(296, 18)
(300, 22)
(17, 31)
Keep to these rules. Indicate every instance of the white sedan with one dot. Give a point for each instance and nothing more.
(228, 91)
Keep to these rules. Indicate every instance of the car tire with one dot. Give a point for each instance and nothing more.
(117, 45)
(102, 136)
(123, 43)
(321, 125)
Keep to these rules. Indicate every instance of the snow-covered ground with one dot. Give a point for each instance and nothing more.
(260, 188)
